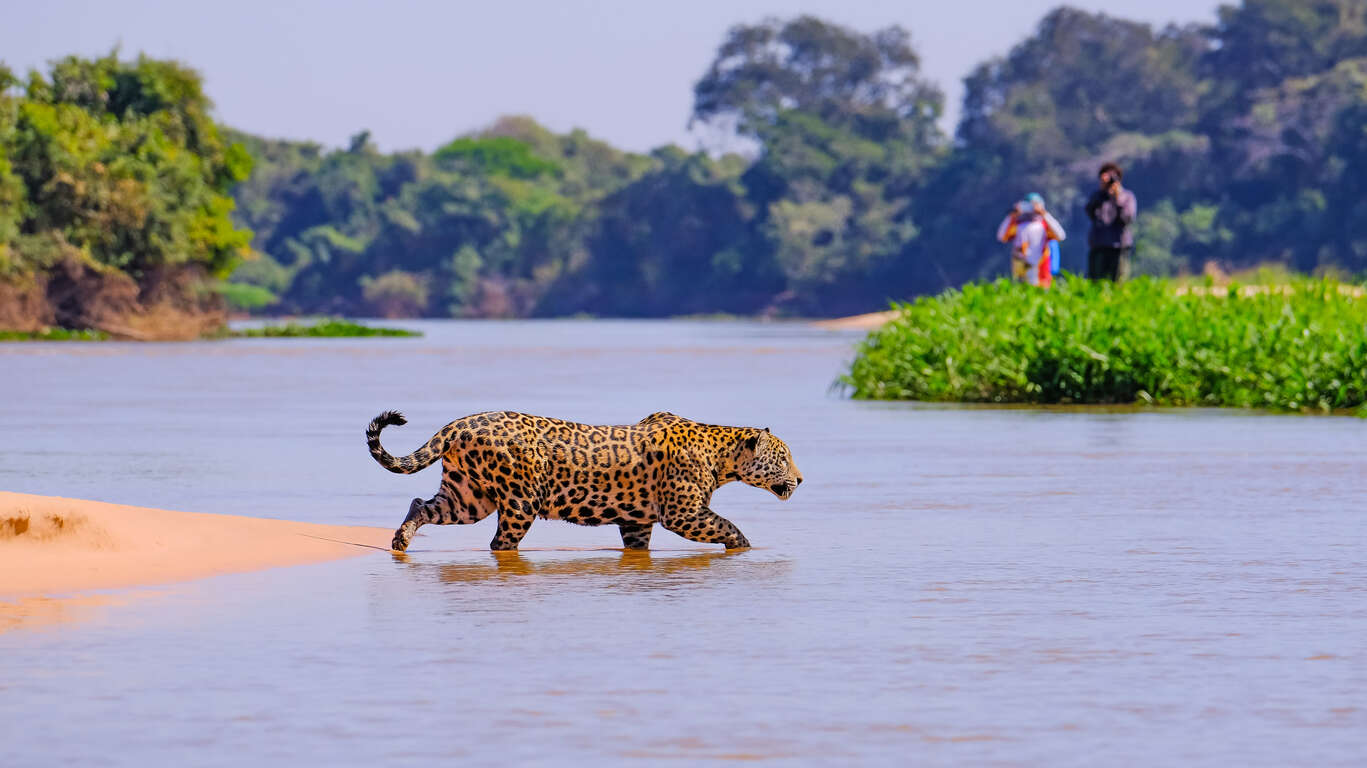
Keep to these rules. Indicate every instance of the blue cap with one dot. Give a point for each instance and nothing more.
(1034, 197)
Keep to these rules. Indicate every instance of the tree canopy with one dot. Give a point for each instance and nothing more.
(121, 161)
(807, 65)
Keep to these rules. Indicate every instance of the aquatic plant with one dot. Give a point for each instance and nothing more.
(54, 334)
(328, 328)
(1301, 346)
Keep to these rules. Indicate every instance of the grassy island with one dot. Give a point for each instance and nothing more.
(54, 334)
(329, 328)
(1299, 346)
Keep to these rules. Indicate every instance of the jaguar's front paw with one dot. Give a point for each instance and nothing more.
(739, 542)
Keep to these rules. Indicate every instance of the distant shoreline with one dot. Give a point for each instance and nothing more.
(286, 326)
(272, 328)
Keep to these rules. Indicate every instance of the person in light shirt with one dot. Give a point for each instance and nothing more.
(1029, 228)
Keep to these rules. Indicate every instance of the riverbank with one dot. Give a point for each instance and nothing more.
(56, 547)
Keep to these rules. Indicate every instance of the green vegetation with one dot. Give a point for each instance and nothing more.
(1297, 347)
(498, 156)
(1244, 140)
(327, 328)
(332, 328)
(244, 296)
(54, 334)
(114, 192)
(487, 226)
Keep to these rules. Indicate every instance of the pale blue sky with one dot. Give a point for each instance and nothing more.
(418, 73)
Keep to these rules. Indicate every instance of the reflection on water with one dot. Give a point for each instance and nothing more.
(627, 570)
(950, 586)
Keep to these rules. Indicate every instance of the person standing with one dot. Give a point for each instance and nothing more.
(1111, 210)
(1029, 228)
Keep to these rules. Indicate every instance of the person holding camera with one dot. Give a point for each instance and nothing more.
(1111, 210)
(1029, 228)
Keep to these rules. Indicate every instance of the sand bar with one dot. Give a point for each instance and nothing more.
(866, 322)
(51, 546)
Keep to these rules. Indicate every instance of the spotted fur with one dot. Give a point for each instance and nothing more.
(663, 469)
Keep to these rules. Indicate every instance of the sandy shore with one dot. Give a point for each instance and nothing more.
(867, 322)
(52, 546)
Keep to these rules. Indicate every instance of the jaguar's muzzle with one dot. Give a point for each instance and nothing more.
(783, 490)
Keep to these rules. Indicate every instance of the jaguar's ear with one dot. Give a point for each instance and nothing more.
(757, 438)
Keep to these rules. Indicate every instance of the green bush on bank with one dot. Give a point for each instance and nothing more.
(1302, 346)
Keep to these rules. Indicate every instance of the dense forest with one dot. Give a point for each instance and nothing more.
(1245, 141)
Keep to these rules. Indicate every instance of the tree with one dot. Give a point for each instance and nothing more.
(847, 131)
(113, 173)
(808, 65)
(1079, 80)
(395, 294)
(677, 240)
(1262, 43)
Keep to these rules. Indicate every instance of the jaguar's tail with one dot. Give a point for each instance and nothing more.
(404, 465)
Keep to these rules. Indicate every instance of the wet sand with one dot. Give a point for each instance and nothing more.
(53, 547)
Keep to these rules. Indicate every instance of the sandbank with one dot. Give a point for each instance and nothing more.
(52, 547)
(865, 322)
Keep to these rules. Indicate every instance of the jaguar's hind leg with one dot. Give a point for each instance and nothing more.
(513, 523)
(419, 513)
(438, 510)
(636, 535)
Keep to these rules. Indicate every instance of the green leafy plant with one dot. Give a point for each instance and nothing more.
(1300, 346)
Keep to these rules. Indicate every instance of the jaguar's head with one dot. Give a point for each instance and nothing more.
(764, 461)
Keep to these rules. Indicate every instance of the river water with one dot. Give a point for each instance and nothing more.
(951, 585)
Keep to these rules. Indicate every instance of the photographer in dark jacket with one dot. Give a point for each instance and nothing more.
(1111, 210)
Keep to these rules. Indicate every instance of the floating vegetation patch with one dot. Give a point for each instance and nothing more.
(1301, 346)
(330, 328)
